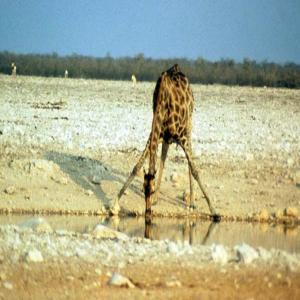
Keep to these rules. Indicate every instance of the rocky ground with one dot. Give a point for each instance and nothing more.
(67, 146)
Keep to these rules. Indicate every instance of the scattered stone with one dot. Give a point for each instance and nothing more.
(120, 280)
(291, 212)
(279, 214)
(172, 248)
(245, 253)
(10, 190)
(8, 285)
(80, 252)
(249, 156)
(186, 197)
(174, 177)
(70, 278)
(37, 224)
(102, 232)
(290, 162)
(254, 181)
(98, 271)
(263, 215)
(34, 255)
(219, 254)
(89, 192)
(173, 283)
(3, 276)
(96, 179)
(60, 179)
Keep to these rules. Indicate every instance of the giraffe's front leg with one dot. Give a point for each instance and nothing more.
(149, 192)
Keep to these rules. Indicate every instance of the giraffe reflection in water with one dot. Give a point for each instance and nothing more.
(188, 231)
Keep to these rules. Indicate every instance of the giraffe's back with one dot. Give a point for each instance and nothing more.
(173, 102)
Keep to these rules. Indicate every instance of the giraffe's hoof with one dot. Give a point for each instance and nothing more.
(216, 218)
(191, 208)
(115, 209)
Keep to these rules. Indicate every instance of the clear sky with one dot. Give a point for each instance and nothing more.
(212, 29)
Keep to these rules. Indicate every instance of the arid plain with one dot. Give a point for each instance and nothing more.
(68, 145)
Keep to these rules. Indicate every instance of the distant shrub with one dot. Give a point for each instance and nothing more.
(225, 71)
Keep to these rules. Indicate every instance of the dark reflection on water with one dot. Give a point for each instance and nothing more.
(195, 232)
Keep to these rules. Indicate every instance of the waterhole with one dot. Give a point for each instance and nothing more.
(194, 231)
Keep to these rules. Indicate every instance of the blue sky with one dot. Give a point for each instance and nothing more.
(256, 29)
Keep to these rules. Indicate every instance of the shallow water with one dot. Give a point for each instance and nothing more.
(194, 231)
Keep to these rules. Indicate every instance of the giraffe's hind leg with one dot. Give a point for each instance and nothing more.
(195, 174)
(164, 152)
(115, 207)
(192, 196)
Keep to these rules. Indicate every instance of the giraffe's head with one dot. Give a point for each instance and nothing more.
(148, 190)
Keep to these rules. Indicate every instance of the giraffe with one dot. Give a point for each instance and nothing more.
(13, 69)
(133, 79)
(173, 104)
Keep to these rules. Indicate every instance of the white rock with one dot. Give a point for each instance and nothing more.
(219, 254)
(101, 231)
(96, 179)
(245, 253)
(89, 192)
(120, 280)
(173, 248)
(37, 224)
(290, 162)
(10, 190)
(8, 285)
(174, 177)
(34, 255)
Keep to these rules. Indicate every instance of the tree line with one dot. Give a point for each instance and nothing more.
(225, 71)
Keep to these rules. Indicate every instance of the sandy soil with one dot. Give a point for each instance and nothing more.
(77, 280)
(67, 146)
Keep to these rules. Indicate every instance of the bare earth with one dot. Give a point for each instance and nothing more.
(67, 146)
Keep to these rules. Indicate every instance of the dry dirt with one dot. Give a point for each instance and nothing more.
(67, 146)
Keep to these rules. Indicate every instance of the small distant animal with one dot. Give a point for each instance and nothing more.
(133, 79)
(66, 73)
(13, 69)
(173, 104)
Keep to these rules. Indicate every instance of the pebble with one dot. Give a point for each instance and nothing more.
(219, 254)
(98, 271)
(34, 255)
(291, 212)
(101, 231)
(253, 181)
(263, 215)
(173, 248)
(89, 192)
(120, 280)
(173, 283)
(38, 224)
(186, 196)
(290, 162)
(96, 179)
(245, 253)
(2, 276)
(8, 285)
(10, 190)
(174, 177)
